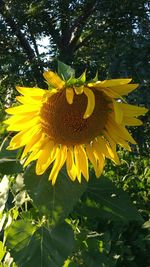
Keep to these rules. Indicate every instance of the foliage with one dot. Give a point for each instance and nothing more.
(87, 224)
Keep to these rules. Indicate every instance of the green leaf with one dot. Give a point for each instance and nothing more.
(146, 225)
(72, 264)
(4, 153)
(104, 200)
(54, 201)
(65, 71)
(39, 247)
(19, 234)
(2, 251)
(10, 166)
(93, 257)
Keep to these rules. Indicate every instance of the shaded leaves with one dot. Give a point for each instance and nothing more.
(39, 246)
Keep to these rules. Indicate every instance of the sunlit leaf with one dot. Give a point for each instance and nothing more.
(2, 251)
(43, 246)
(65, 71)
(54, 201)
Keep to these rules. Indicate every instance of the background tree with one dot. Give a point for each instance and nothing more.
(109, 36)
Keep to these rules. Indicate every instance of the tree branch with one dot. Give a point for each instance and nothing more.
(33, 40)
(37, 72)
(87, 38)
(80, 22)
(64, 21)
(15, 29)
(52, 30)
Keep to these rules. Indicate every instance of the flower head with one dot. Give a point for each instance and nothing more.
(73, 122)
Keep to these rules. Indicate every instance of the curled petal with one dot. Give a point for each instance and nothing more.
(90, 102)
(69, 95)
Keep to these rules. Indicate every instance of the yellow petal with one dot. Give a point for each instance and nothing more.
(90, 102)
(119, 130)
(124, 89)
(114, 82)
(113, 140)
(91, 156)
(100, 165)
(33, 156)
(94, 160)
(77, 163)
(70, 165)
(83, 162)
(110, 140)
(97, 150)
(118, 112)
(22, 138)
(107, 150)
(45, 158)
(22, 125)
(23, 109)
(35, 141)
(27, 99)
(30, 91)
(109, 92)
(131, 111)
(53, 79)
(116, 91)
(19, 118)
(119, 139)
(129, 121)
(69, 95)
(79, 90)
(58, 164)
(100, 158)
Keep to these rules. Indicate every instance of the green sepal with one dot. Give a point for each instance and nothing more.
(82, 78)
(71, 81)
(77, 81)
(95, 78)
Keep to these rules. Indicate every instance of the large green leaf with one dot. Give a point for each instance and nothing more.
(10, 166)
(103, 199)
(39, 247)
(65, 71)
(5, 153)
(54, 201)
(93, 257)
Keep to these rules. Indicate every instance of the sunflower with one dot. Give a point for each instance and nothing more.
(73, 122)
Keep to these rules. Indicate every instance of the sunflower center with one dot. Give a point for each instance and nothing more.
(64, 123)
